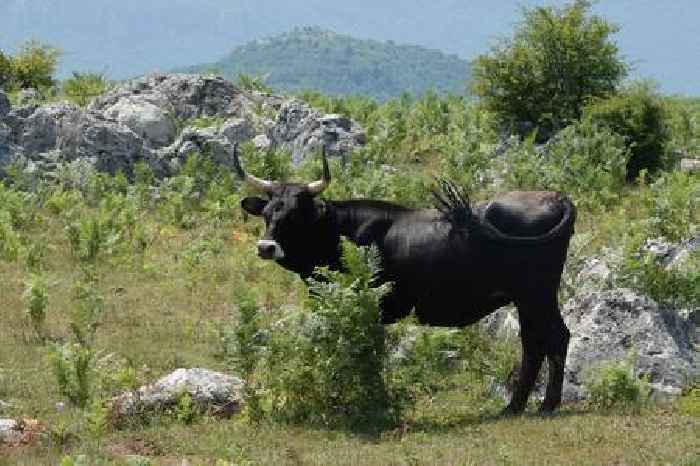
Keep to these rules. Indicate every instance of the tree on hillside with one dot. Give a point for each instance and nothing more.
(5, 70)
(34, 66)
(557, 59)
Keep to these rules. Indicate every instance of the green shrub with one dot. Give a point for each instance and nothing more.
(638, 114)
(243, 346)
(5, 71)
(615, 385)
(253, 83)
(542, 76)
(585, 161)
(643, 272)
(34, 66)
(333, 372)
(36, 297)
(683, 123)
(10, 240)
(267, 164)
(673, 201)
(81, 88)
(73, 367)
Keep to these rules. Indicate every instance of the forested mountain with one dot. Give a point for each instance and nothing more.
(314, 58)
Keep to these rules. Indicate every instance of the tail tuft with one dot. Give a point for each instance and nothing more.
(453, 202)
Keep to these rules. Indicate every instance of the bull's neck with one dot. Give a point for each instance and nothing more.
(360, 220)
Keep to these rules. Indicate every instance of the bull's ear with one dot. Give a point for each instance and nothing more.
(253, 205)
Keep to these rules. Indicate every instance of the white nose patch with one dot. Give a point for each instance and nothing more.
(279, 252)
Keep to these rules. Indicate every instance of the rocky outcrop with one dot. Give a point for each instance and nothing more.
(671, 255)
(161, 119)
(210, 391)
(150, 122)
(19, 432)
(616, 324)
(4, 104)
(301, 129)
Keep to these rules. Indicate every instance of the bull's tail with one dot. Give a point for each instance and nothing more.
(453, 202)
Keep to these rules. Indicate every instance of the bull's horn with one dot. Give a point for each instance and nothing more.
(317, 187)
(263, 185)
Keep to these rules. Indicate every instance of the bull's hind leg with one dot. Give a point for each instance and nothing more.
(532, 338)
(556, 347)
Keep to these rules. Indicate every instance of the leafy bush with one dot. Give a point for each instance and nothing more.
(81, 88)
(645, 273)
(543, 75)
(244, 347)
(36, 297)
(583, 160)
(5, 70)
(638, 114)
(10, 240)
(34, 66)
(73, 366)
(683, 122)
(253, 83)
(674, 210)
(333, 371)
(614, 385)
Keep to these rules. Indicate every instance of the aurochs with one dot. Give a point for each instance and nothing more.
(454, 264)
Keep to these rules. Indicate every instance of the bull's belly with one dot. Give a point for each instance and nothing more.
(441, 307)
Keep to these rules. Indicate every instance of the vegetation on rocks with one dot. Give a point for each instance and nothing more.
(109, 281)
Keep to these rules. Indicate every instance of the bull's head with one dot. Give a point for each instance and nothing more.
(296, 233)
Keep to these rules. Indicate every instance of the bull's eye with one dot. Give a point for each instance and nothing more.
(278, 207)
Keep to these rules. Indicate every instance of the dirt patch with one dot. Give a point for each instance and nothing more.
(136, 446)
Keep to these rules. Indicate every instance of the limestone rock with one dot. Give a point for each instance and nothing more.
(28, 96)
(5, 105)
(690, 165)
(208, 389)
(188, 95)
(146, 119)
(16, 432)
(671, 255)
(45, 128)
(610, 325)
(302, 130)
(112, 146)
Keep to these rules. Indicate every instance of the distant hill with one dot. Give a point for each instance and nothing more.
(313, 58)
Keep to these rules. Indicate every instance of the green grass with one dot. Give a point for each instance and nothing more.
(164, 309)
(163, 312)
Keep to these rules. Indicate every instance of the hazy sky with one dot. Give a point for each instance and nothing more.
(129, 37)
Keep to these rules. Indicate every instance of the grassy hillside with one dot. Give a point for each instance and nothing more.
(154, 282)
(312, 58)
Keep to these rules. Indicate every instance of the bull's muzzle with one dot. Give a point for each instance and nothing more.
(269, 249)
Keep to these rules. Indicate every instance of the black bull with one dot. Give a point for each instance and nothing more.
(453, 265)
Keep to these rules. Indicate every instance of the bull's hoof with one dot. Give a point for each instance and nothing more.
(512, 411)
(547, 410)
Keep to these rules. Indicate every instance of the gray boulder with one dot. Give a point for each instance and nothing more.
(28, 96)
(5, 105)
(610, 325)
(151, 122)
(503, 323)
(16, 432)
(671, 255)
(110, 145)
(212, 391)
(690, 165)
(187, 96)
(302, 130)
(46, 127)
